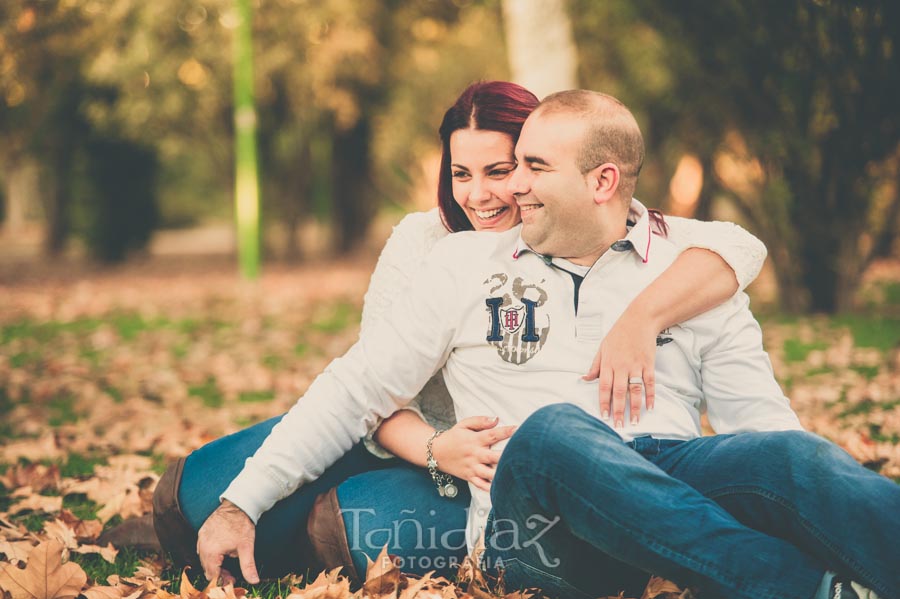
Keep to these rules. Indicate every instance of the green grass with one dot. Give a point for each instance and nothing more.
(863, 407)
(892, 293)
(880, 332)
(274, 362)
(819, 370)
(870, 372)
(797, 351)
(62, 410)
(876, 435)
(340, 316)
(180, 350)
(256, 396)
(24, 358)
(98, 569)
(81, 506)
(208, 393)
(44, 332)
(78, 465)
(128, 326)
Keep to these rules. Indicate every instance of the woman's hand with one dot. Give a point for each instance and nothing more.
(465, 450)
(626, 356)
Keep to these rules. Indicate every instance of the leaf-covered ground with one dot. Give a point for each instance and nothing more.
(106, 376)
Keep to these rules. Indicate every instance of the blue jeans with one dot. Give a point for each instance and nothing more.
(400, 507)
(580, 513)
(382, 496)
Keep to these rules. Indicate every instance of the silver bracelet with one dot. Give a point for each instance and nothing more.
(444, 482)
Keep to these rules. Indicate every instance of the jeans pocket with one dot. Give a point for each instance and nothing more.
(518, 575)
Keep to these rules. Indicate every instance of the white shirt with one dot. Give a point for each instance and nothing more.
(713, 362)
(418, 233)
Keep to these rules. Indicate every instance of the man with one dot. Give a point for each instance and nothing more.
(579, 508)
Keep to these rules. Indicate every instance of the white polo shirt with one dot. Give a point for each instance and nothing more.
(504, 321)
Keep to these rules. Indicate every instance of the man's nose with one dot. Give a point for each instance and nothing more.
(518, 182)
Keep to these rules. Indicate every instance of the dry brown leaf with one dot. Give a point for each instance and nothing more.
(327, 585)
(660, 588)
(188, 591)
(382, 576)
(45, 576)
(16, 550)
(229, 591)
(37, 476)
(12, 532)
(32, 450)
(113, 592)
(412, 591)
(123, 488)
(37, 503)
(108, 553)
(85, 530)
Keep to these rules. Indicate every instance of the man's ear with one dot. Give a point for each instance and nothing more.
(604, 182)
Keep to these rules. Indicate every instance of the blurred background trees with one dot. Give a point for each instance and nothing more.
(115, 115)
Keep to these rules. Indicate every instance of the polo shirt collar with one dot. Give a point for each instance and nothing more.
(638, 238)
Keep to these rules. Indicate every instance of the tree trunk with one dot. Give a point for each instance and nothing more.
(353, 205)
(22, 191)
(246, 187)
(540, 45)
(703, 208)
(57, 200)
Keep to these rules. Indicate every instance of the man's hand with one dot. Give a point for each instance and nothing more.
(627, 355)
(465, 450)
(227, 532)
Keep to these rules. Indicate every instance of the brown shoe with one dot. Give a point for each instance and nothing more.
(328, 536)
(137, 533)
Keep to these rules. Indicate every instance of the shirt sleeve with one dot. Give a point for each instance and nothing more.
(411, 240)
(378, 450)
(381, 372)
(741, 250)
(740, 393)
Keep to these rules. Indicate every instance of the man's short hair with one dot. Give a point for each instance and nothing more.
(612, 134)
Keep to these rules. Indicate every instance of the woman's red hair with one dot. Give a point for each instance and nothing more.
(489, 106)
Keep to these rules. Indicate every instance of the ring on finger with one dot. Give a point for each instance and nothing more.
(635, 380)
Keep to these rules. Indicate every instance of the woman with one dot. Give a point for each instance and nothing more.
(478, 134)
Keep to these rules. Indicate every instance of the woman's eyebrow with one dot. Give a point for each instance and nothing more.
(459, 166)
(496, 164)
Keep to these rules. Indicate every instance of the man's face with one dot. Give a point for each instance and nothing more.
(553, 195)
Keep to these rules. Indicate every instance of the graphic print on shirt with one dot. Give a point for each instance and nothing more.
(517, 327)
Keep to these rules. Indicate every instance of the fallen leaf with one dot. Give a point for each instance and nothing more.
(37, 503)
(45, 576)
(85, 530)
(229, 591)
(382, 576)
(32, 450)
(327, 585)
(108, 553)
(59, 530)
(660, 588)
(16, 550)
(188, 591)
(37, 476)
(112, 592)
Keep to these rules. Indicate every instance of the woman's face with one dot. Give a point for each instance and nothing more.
(481, 163)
